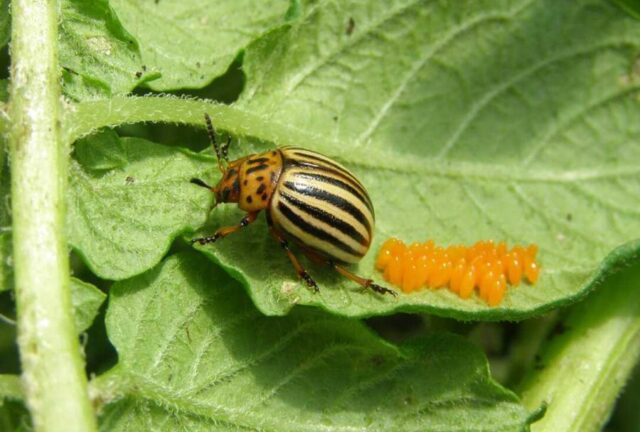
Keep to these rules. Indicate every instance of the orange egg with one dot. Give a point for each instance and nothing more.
(456, 275)
(468, 282)
(497, 291)
(422, 271)
(408, 274)
(501, 249)
(531, 271)
(393, 272)
(486, 284)
(384, 256)
(441, 272)
(514, 271)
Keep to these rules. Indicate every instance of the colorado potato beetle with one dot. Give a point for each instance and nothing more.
(307, 197)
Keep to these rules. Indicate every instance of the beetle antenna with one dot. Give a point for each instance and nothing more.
(212, 137)
(197, 181)
(225, 149)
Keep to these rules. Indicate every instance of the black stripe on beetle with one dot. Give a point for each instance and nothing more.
(331, 164)
(315, 231)
(339, 183)
(257, 168)
(258, 160)
(332, 199)
(344, 227)
(311, 167)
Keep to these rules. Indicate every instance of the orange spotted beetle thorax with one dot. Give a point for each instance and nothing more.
(256, 177)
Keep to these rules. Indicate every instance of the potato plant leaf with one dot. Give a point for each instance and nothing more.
(98, 56)
(632, 7)
(4, 90)
(510, 120)
(122, 220)
(505, 120)
(195, 354)
(101, 151)
(86, 300)
(6, 265)
(5, 23)
(198, 40)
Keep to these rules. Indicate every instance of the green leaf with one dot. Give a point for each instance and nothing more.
(191, 43)
(97, 54)
(4, 90)
(6, 264)
(86, 300)
(101, 151)
(122, 221)
(510, 120)
(632, 7)
(5, 23)
(626, 416)
(195, 355)
(467, 130)
(13, 414)
(14, 417)
(10, 387)
(600, 334)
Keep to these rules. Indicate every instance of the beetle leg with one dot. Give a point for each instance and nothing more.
(284, 244)
(364, 283)
(225, 231)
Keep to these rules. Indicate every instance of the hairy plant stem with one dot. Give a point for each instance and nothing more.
(585, 368)
(53, 376)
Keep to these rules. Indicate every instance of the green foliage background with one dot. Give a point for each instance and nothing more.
(510, 120)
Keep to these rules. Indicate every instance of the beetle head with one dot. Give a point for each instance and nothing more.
(228, 188)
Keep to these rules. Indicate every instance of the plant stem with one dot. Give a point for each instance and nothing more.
(53, 377)
(586, 367)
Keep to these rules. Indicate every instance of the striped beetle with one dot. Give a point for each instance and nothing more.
(308, 197)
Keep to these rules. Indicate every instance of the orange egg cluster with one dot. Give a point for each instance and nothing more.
(484, 266)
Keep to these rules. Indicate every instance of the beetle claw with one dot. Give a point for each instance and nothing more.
(205, 240)
(382, 290)
(309, 281)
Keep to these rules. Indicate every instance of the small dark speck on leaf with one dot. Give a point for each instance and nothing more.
(129, 180)
(569, 217)
(138, 74)
(351, 25)
(144, 68)
(538, 362)
(198, 64)
(559, 329)
(335, 118)
(377, 360)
